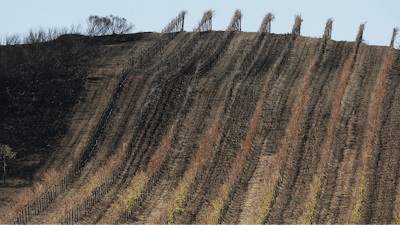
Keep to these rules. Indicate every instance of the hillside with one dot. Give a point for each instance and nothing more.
(257, 112)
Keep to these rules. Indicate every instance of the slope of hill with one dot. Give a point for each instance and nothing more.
(154, 89)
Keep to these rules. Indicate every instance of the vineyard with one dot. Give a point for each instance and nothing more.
(222, 127)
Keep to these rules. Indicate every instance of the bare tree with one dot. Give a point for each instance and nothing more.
(35, 36)
(13, 39)
(107, 25)
(76, 29)
(6, 154)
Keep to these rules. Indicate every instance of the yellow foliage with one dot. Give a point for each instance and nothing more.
(312, 201)
(263, 205)
(358, 194)
(214, 211)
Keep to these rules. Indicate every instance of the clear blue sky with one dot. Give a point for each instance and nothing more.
(18, 16)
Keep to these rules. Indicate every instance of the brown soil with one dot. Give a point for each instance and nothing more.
(154, 98)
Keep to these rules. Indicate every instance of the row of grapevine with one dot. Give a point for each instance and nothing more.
(75, 213)
(97, 185)
(253, 51)
(33, 201)
(236, 22)
(141, 183)
(147, 55)
(219, 206)
(266, 24)
(206, 22)
(179, 58)
(362, 176)
(176, 24)
(192, 176)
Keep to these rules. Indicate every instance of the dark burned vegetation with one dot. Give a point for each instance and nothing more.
(39, 84)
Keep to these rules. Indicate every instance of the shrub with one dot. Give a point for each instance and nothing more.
(13, 39)
(107, 25)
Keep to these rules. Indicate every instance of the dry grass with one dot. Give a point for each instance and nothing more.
(159, 156)
(266, 24)
(30, 195)
(236, 22)
(101, 176)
